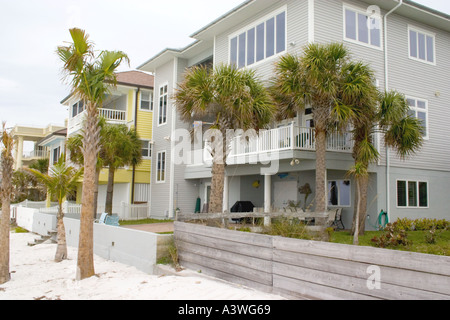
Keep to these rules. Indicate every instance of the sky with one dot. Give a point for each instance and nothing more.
(31, 85)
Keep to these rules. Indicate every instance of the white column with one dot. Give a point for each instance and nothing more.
(226, 192)
(267, 197)
(19, 153)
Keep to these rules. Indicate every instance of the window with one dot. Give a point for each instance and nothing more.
(263, 40)
(146, 149)
(77, 108)
(146, 100)
(339, 193)
(161, 167)
(419, 110)
(56, 155)
(412, 194)
(362, 28)
(163, 99)
(421, 46)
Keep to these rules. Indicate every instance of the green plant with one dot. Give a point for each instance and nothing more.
(288, 228)
(392, 238)
(20, 230)
(430, 236)
(173, 252)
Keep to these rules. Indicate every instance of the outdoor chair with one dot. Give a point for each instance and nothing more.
(331, 218)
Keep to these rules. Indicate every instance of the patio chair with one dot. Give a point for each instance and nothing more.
(331, 218)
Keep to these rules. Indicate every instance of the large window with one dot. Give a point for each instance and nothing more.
(77, 108)
(412, 194)
(339, 193)
(163, 100)
(362, 28)
(146, 149)
(146, 100)
(421, 45)
(161, 167)
(56, 155)
(265, 39)
(419, 110)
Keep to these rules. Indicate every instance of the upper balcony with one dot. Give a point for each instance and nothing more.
(111, 116)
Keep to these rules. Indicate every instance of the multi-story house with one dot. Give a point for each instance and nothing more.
(25, 134)
(129, 103)
(406, 44)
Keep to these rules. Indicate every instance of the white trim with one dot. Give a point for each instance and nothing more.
(358, 10)
(418, 195)
(426, 111)
(253, 26)
(150, 146)
(159, 101)
(339, 199)
(157, 169)
(152, 106)
(426, 33)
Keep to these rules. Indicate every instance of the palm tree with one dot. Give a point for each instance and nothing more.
(91, 79)
(403, 133)
(61, 181)
(231, 99)
(325, 79)
(7, 162)
(120, 147)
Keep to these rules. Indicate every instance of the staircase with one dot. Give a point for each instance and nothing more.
(51, 237)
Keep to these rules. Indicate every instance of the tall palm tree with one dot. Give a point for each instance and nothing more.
(120, 147)
(326, 79)
(91, 77)
(7, 162)
(60, 181)
(231, 99)
(401, 132)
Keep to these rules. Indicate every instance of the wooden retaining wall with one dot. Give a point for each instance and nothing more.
(309, 269)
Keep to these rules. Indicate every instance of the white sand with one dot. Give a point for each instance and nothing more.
(34, 275)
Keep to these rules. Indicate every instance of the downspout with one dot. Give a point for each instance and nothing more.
(386, 86)
(133, 177)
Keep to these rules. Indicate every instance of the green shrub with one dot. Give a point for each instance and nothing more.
(423, 224)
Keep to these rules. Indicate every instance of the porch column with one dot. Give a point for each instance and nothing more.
(267, 198)
(226, 189)
(19, 153)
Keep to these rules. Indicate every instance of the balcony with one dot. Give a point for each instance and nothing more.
(278, 144)
(111, 116)
(286, 138)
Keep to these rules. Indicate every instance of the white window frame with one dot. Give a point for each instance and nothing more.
(58, 155)
(149, 101)
(360, 11)
(149, 148)
(339, 205)
(256, 23)
(416, 109)
(159, 170)
(161, 99)
(426, 33)
(417, 182)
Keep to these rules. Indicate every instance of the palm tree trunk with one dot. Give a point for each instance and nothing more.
(110, 191)
(361, 203)
(356, 233)
(6, 190)
(321, 149)
(217, 186)
(95, 205)
(85, 262)
(61, 249)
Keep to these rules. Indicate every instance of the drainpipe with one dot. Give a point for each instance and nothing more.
(386, 86)
(133, 177)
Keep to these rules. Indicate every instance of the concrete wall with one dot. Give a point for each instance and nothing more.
(131, 247)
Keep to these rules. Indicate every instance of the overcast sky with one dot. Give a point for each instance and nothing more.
(30, 31)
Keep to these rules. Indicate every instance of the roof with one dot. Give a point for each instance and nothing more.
(136, 78)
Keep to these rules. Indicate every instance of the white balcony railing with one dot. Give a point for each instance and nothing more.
(111, 116)
(288, 138)
(35, 154)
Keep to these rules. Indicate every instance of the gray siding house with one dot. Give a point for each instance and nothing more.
(407, 45)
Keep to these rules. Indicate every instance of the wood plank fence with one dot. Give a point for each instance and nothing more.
(303, 269)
